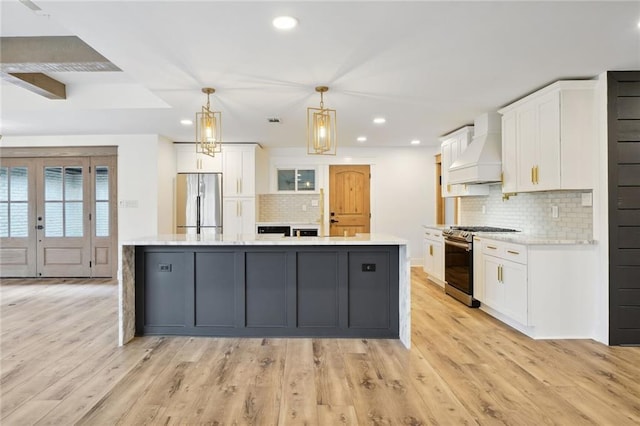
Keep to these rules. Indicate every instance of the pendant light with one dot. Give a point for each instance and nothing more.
(208, 128)
(321, 128)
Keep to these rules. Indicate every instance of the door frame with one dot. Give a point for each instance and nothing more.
(80, 151)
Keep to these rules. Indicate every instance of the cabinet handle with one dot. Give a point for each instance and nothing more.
(427, 233)
(430, 250)
(500, 273)
(513, 252)
(533, 179)
(492, 247)
(537, 180)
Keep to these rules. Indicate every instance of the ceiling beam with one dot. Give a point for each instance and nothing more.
(50, 54)
(38, 83)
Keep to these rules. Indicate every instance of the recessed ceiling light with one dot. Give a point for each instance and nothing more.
(379, 120)
(415, 142)
(186, 122)
(285, 22)
(362, 139)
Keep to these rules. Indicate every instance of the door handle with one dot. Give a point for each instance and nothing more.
(39, 227)
(334, 221)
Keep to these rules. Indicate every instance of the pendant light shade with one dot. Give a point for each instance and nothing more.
(208, 128)
(321, 128)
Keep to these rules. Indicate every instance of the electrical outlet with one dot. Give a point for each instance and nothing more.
(554, 212)
(484, 209)
(314, 203)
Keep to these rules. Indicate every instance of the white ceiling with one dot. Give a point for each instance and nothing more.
(428, 67)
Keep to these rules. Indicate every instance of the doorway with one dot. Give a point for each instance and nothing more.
(349, 200)
(58, 216)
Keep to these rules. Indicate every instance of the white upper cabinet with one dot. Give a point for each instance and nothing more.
(509, 149)
(548, 139)
(239, 170)
(452, 146)
(189, 161)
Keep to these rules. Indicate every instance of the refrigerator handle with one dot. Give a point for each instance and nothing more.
(198, 215)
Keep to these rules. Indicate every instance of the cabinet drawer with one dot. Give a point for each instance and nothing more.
(433, 235)
(515, 252)
(508, 251)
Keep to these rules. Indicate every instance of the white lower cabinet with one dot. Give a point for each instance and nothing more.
(433, 249)
(239, 216)
(506, 287)
(478, 269)
(505, 279)
(544, 291)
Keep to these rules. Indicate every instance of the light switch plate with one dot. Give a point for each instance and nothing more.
(587, 199)
(314, 203)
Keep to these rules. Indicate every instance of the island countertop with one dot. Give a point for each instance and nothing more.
(261, 242)
(264, 240)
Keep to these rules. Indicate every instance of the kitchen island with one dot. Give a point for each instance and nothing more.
(262, 286)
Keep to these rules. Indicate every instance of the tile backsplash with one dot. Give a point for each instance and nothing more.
(531, 212)
(288, 208)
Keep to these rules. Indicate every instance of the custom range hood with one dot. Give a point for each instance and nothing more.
(481, 162)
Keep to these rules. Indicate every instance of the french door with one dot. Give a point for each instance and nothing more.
(57, 217)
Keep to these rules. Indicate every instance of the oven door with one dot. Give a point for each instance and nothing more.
(458, 265)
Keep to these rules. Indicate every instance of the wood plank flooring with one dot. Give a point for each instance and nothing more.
(60, 365)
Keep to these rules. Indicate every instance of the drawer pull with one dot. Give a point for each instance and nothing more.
(492, 247)
(513, 252)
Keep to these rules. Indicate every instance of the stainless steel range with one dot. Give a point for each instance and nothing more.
(458, 261)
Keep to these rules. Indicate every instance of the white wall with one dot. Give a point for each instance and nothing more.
(402, 186)
(166, 185)
(138, 176)
(601, 215)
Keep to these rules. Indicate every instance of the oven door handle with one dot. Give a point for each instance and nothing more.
(459, 245)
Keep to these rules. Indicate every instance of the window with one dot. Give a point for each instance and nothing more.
(296, 180)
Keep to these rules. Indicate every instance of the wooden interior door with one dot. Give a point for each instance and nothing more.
(349, 200)
(63, 209)
(17, 217)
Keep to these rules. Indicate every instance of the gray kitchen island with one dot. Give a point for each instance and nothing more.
(265, 286)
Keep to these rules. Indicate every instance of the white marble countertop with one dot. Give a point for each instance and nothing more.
(264, 240)
(288, 224)
(437, 227)
(524, 238)
(532, 239)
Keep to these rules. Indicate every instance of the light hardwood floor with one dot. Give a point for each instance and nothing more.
(60, 366)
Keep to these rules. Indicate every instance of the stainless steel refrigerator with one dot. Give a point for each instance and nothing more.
(199, 203)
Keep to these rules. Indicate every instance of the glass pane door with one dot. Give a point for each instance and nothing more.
(17, 233)
(103, 228)
(63, 218)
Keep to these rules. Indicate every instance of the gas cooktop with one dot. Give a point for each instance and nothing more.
(465, 233)
(482, 229)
